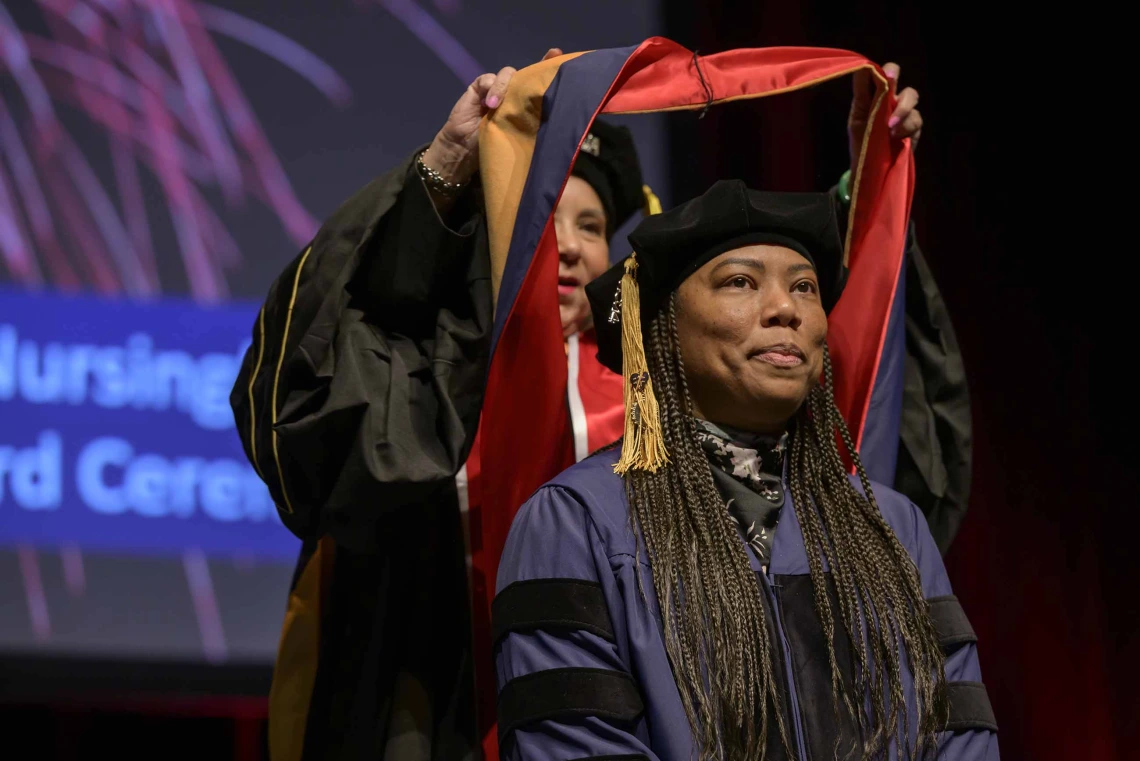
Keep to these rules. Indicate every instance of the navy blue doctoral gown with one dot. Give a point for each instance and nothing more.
(580, 654)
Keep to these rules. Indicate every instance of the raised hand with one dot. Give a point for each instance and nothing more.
(905, 122)
(454, 152)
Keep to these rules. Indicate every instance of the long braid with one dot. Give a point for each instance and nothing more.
(716, 632)
(881, 601)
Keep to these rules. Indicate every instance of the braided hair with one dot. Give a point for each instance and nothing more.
(716, 635)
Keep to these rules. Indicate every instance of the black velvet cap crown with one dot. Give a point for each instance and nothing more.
(608, 161)
(673, 245)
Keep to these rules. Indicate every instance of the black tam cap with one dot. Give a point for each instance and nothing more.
(673, 245)
(608, 161)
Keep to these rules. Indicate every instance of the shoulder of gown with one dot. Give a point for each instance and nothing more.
(361, 390)
(601, 493)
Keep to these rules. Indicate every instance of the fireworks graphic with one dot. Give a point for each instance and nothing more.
(149, 76)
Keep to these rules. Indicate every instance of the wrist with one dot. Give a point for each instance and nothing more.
(451, 162)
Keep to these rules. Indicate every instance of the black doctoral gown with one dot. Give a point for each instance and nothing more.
(358, 402)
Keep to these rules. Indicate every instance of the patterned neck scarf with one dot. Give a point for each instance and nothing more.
(757, 462)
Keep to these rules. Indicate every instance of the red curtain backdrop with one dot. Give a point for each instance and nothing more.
(1045, 563)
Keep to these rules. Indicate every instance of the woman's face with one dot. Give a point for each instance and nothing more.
(752, 330)
(583, 251)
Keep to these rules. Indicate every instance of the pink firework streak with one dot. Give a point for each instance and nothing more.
(149, 76)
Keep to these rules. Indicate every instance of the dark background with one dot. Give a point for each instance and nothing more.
(1045, 562)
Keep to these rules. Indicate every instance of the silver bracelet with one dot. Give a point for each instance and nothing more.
(434, 180)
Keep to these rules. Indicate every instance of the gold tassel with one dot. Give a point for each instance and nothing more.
(643, 447)
(652, 202)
